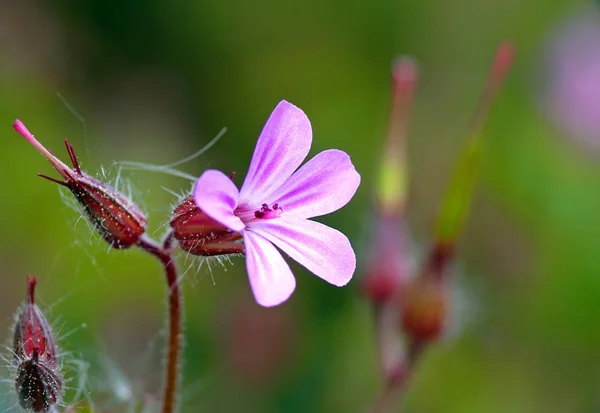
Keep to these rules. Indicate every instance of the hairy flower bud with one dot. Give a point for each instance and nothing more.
(114, 216)
(387, 266)
(389, 253)
(199, 234)
(37, 382)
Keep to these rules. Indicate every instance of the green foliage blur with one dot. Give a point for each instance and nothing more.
(153, 81)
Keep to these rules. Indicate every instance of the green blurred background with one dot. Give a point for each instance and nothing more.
(156, 80)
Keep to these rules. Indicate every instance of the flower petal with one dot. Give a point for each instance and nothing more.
(324, 184)
(282, 146)
(324, 251)
(270, 277)
(216, 195)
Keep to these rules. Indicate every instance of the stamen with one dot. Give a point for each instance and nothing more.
(267, 212)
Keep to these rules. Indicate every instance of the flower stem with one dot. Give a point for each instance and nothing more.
(163, 253)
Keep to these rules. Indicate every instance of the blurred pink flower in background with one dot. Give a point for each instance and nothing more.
(571, 96)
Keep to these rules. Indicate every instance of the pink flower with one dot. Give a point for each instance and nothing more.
(274, 204)
(571, 96)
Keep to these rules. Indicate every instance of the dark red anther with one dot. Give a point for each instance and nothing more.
(268, 212)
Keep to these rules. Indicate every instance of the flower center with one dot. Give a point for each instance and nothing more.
(265, 212)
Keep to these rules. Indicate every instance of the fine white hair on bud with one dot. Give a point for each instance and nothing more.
(38, 374)
(35, 366)
(114, 216)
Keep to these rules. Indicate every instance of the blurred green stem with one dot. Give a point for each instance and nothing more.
(163, 253)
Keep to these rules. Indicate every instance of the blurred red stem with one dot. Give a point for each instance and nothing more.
(390, 396)
(388, 342)
(393, 390)
(396, 371)
(163, 253)
(392, 362)
(440, 257)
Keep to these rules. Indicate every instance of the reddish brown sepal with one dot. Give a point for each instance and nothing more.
(117, 220)
(199, 234)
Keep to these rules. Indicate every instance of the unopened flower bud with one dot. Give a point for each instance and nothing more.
(38, 382)
(199, 234)
(424, 304)
(114, 216)
(389, 255)
(424, 310)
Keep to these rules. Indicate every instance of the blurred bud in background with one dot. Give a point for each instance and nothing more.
(570, 94)
(389, 255)
(412, 312)
(389, 259)
(424, 304)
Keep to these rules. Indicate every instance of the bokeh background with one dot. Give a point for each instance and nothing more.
(154, 81)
